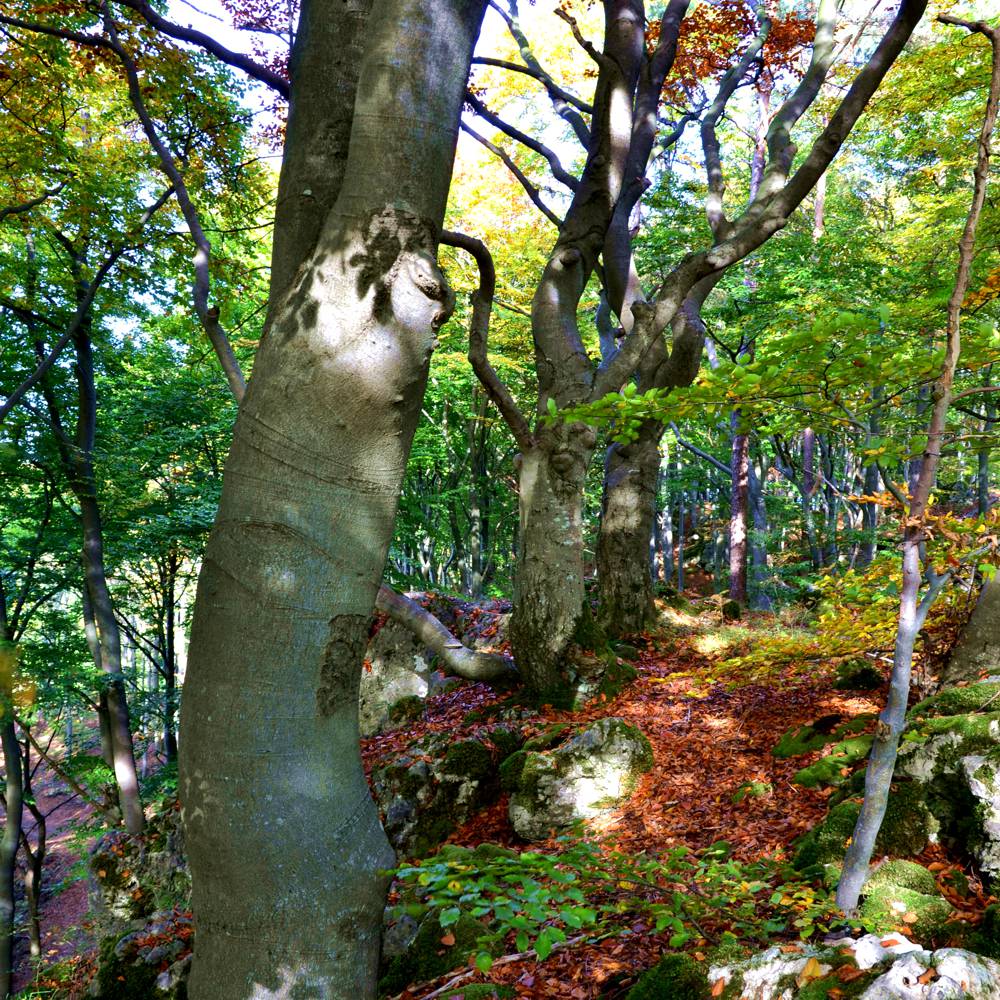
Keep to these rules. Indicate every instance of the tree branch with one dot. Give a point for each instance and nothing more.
(482, 307)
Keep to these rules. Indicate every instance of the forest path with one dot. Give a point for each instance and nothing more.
(711, 731)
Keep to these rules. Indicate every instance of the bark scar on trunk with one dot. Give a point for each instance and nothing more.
(338, 681)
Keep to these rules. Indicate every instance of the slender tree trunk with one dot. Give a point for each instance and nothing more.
(739, 501)
(913, 607)
(170, 661)
(291, 903)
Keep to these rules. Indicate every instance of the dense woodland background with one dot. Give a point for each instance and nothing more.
(733, 516)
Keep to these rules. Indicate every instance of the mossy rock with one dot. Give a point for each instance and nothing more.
(118, 979)
(549, 736)
(829, 770)
(904, 874)
(732, 611)
(626, 650)
(920, 915)
(805, 739)
(905, 831)
(674, 977)
(617, 677)
(752, 790)
(507, 741)
(825, 844)
(959, 701)
(407, 709)
(858, 675)
(985, 938)
(468, 759)
(427, 957)
(511, 770)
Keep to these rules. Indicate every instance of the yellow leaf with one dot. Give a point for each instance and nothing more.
(812, 970)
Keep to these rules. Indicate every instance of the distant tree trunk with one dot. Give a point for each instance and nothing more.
(170, 660)
(9, 846)
(34, 857)
(739, 466)
(293, 902)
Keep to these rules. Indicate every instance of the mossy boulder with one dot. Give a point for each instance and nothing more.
(674, 977)
(151, 962)
(902, 873)
(858, 675)
(434, 950)
(974, 698)
(816, 735)
(835, 767)
(438, 785)
(131, 876)
(586, 776)
(905, 831)
(888, 907)
(985, 938)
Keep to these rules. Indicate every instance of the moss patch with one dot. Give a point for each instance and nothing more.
(468, 759)
(406, 709)
(481, 991)
(858, 675)
(830, 770)
(905, 874)
(118, 979)
(427, 958)
(960, 700)
(920, 915)
(752, 790)
(674, 977)
(801, 740)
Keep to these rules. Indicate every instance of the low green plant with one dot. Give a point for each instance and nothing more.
(590, 888)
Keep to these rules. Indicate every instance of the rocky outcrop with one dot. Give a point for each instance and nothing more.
(587, 775)
(153, 960)
(438, 784)
(871, 968)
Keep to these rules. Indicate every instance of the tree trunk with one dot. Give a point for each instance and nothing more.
(548, 587)
(284, 841)
(739, 543)
(628, 517)
(9, 844)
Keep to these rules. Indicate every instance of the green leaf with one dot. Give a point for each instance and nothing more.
(449, 916)
(484, 962)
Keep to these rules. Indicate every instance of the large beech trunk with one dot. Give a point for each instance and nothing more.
(628, 516)
(548, 589)
(284, 841)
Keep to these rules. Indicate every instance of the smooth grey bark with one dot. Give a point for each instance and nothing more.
(977, 652)
(456, 659)
(9, 845)
(914, 607)
(284, 841)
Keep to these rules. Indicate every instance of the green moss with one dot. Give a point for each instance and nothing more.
(118, 979)
(588, 634)
(908, 823)
(407, 709)
(616, 678)
(904, 874)
(801, 740)
(985, 939)
(626, 650)
(510, 770)
(828, 770)
(973, 730)
(507, 741)
(959, 700)
(858, 675)
(921, 915)
(732, 611)
(674, 977)
(752, 790)
(820, 989)
(427, 958)
(548, 737)
(468, 759)
(826, 843)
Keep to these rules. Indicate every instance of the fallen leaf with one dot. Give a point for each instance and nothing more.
(812, 970)
(929, 976)
(448, 940)
(890, 942)
(848, 973)
(910, 917)
(720, 985)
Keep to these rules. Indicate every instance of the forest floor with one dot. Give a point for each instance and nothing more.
(712, 731)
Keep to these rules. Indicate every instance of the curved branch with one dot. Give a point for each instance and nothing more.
(532, 192)
(208, 316)
(536, 72)
(479, 328)
(236, 59)
(558, 171)
(27, 206)
(456, 658)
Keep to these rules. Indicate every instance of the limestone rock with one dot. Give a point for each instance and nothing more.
(438, 785)
(582, 778)
(956, 974)
(397, 666)
(982, 771)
